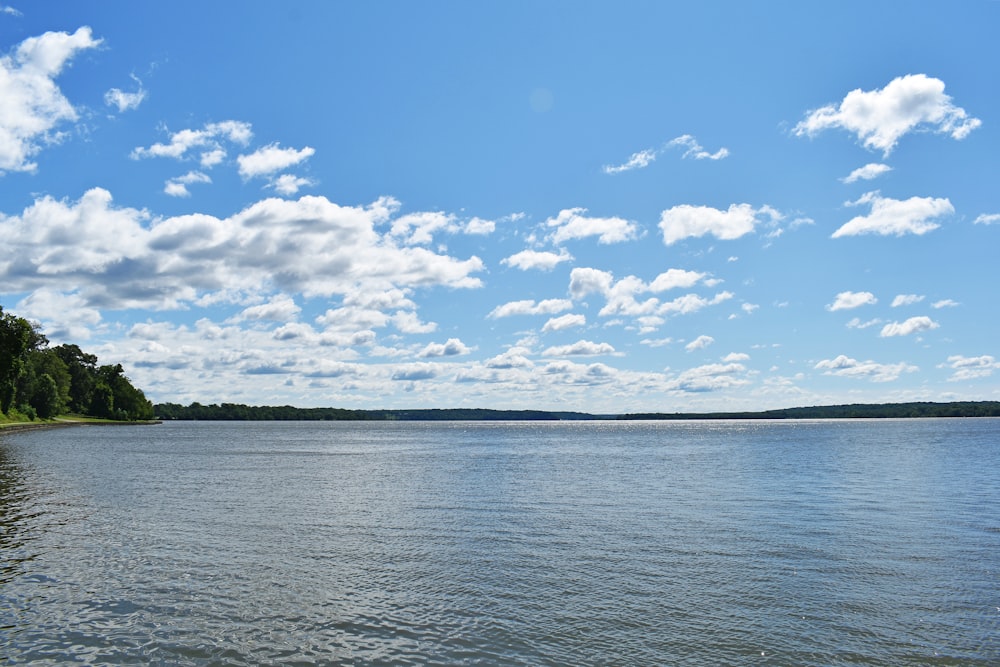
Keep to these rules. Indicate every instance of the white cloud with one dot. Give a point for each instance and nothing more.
(31, 105)
(844, 366)
(573, 224)
(880, 118)
(122, 258)
(675, 278)
(987, 219)
(906, 300)
(895, 217)
(944, 303)
(695, 150)
(281, 308)
(581, 348)
(208, 139)
(453, 347)
(64, 316)
(10, 11)
(636, 161)
(710, 377)
(691, 303)
(480, 227)
(584, 281)
(270, 159)
(124, 101)
(287, 184)
(533, 259)
(657, 342)
(515, 357)
(699, 343)
(848, 300)
(970, 368)
(564, 322)
(177, 187)
(529, 307)
(867, 172)
(856, 323)
(409, 322)
(415, 372)
(685, 221)
(910, 326)
(736, 356)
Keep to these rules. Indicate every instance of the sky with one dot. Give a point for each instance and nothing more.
(562, 205)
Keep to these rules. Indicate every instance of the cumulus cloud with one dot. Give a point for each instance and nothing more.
(125, 101)
(849, 300)
(987, 219)
(971, 368)
(944, 303)
(686, 221)
(844, 366)
(710, 377)
(415, 372)
(207, 140)
(64, 315)
(533, 259)
(880, 118)
(699, 343)
(694, 150)
(177, 187)
(122, 258)
(906, 300)
(564, 322)
(281, 308)
(674, 279)
(271, 159)
(894, 217)
(867, 172)
(453, 347)
(572, 224)
(529, 307)
(480, 227)
(287, 184)
(581, 348)
(31, 104)
(620, 296)
(910, 326)
(636, 161)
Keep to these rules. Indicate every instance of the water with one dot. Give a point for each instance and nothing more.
(629, 543)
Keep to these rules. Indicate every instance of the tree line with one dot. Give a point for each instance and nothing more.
(239, 412)
(39, 382)
(917, 409)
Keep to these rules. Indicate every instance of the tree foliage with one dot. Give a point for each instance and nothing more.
(37, 380)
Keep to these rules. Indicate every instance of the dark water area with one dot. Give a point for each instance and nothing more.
(578, 543)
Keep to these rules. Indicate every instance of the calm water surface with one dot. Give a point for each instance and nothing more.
(628, 543)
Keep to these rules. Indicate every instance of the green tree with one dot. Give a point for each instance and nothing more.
(82, 369)
(17, 337)
(45, 399)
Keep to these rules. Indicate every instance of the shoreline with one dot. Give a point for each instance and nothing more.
(21, 427)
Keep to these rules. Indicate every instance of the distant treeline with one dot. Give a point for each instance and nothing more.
(239, 412)
(854, 411)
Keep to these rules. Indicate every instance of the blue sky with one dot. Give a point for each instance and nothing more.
(603, 207)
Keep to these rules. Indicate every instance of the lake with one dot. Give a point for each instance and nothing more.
(531, 543)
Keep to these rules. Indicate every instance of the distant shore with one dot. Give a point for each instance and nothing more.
(20, 427)
(240, 412)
